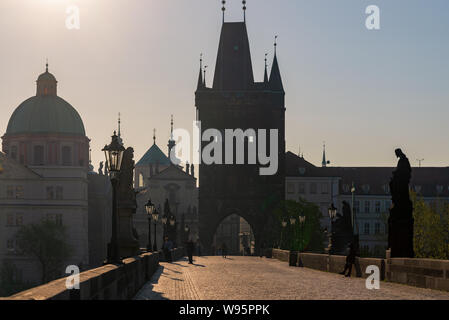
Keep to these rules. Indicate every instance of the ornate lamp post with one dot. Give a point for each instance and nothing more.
(302, 220)
(187, 231)
(114, 156)
(150, 208)
(292, 223)
(164, 223)
(172, 222)
(155, 218)
(332, 214)
(283, 224)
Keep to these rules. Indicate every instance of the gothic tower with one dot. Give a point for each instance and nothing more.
(236, 101)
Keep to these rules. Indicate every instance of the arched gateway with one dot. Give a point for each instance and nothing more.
(236, 101)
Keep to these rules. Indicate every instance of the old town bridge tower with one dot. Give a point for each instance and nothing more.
(236, 101)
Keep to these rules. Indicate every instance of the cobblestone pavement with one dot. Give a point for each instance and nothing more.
(252, 278)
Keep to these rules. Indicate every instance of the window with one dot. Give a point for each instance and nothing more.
(387, 204)
(141, 183)
(366, 188)
(59, 193)
(19, 192)
(290, 187)
(346, 188)
(56, 218)
(10, 245)
(313, 188)
(19, 219)
(367, 206)
(356, 206)
(50, 193)
(377, 207)
(324, 188)
(14, 152)
(38, 155)
(377, 228)
(302, 188)
(418, 189)
(440, 189)
(9, 220)
(9, 192)
(366, 228)
(66, 156)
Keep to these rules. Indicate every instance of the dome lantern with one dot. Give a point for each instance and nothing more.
(46, 84)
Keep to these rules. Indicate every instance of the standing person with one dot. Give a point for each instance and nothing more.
(350, 260)
(167, 247)
(198, 243)
(224, 250)
(190, 247)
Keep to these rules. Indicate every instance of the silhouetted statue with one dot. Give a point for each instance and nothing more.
(400, 222)
(100, 169)
(342, 233)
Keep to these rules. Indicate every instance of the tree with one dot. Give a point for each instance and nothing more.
(46, 242)
(307, 236)
(10, 279)
(431, 229)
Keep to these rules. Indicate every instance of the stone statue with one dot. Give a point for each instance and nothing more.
(100, 169)
(126, 190)
(400, 222)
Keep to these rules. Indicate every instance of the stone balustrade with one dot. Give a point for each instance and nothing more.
(109, 282)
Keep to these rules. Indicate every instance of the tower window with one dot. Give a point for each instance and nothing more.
(14, 152)
(66, 156)
(38, 155)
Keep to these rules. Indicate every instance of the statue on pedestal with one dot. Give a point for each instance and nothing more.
(342, 233)
(400, 222)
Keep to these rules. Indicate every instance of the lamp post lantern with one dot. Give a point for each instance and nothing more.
(172, 222)
(155, 219)
(150, 209)
(302, 220)
(114, 156)
(164, 223)
(332, 214)
(283, 224)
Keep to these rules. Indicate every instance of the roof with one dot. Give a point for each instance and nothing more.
(172, 173)
(372, 180)
(153, 156)
(45, 114)
(233, 71)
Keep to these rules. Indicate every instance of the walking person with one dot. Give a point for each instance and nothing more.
(224, 250)
(350, 260)
(167, 247)
(190, 246)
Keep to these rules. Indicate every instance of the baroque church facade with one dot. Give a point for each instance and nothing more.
(46, 174)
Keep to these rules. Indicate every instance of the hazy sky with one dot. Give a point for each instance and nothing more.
(363, 92)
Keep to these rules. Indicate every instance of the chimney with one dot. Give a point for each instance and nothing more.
(188, 168)
(192, 170)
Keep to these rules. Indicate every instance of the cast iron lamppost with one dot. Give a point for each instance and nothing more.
(187, 230)
(292, 223)
(155, 218)
(164, 223)
(302, 220)
(332, 214)
(114, 156)
(284, 224)
(150, 208)
(172, 221)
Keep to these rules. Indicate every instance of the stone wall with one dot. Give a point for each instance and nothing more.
(282, 255)
(423, 273)
(109, 282)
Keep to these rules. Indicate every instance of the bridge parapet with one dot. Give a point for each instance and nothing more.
(109, 282)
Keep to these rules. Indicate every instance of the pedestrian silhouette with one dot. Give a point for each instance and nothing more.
(167, 248)
(224, 250)
(350, 260)
(190, 247)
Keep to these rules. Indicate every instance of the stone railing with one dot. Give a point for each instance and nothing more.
(176, 254)
(109, 282)
(424, 273)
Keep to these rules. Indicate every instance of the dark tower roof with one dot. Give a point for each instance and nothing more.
(200, 77)
(233, 71)
(275, 77)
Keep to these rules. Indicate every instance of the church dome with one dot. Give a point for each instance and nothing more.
(45, 113)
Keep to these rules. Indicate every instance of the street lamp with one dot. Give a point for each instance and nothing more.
(114, 156)
(302, 220)
(164, 223)
(292, 223)
(150, 208)
(284, 224)
(187, 231)
(332, 214)
(172, 222)
(155, 218)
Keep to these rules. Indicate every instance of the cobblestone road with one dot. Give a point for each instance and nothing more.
(251, 278)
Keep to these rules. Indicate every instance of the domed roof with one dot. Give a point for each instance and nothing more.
(45, 114)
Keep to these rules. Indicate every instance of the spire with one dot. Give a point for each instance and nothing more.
(120, 140)
(154, 136)
(324, 163)
(46, 66)
(171, 141)
(265, 78)
(200, 77)
(224, 8)
(244, 10)
(46, 83)
(204, 78)
(275, 76)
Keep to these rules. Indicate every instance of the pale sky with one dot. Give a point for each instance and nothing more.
(363, 92)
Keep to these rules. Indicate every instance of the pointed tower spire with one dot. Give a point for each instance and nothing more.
(171, 141)
(204, 78)
(265, 77)
(120, 140)
(200, 77)
(224, 8)
(154, 136)
(46, 66)
(244, 10)
(275, 76)
(324, 162)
